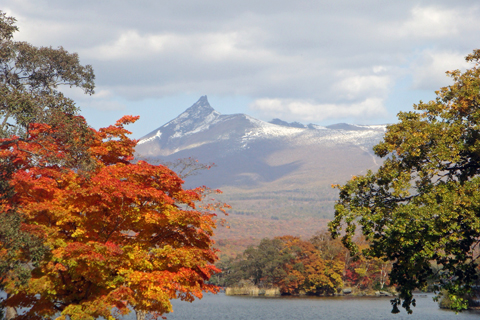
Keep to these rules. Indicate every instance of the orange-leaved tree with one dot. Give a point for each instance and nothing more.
(120, 235)
(307, 271)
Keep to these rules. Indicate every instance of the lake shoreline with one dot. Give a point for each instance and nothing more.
(275, 291)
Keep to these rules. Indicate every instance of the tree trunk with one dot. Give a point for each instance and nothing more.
(141, 315)
(11, 313)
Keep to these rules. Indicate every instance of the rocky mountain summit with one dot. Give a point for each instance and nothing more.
(201, 126)
(276, 175)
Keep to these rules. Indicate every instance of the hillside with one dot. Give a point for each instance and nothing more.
(277, 176)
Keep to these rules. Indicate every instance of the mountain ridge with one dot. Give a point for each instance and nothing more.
(277, 178)
(202, 117)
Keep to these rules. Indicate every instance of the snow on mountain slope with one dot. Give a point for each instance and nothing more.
(276, 175)
(195, 119)
(201, 124)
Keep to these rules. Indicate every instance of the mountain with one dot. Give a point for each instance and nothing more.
(356, 127)
(276, 175)
(287, 124)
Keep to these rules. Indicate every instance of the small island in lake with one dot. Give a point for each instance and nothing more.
(288, 265)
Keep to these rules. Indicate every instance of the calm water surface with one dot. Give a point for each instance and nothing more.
(216, 307)
(222, 307)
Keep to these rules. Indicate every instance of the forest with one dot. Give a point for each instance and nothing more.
(322, 266)
(86, 232)
(318, 266)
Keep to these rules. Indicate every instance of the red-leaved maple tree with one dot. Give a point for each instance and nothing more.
(307, 271)
(120, 235)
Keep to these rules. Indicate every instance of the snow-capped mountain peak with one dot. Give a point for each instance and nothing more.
(195, 119)
(198, 111)
(266, 168)
(200, 126)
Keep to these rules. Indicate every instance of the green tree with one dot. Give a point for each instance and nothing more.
(29, 80)
(422, 206)
(263, 265)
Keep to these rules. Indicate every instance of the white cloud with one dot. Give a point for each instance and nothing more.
(428, 22)
(379, 69)
(77, 93)
(357, 86)
(131, 45)
(314, 112)
(211, 47)
(338, 57)
(104, 105)
(103, 99)
(428, 71)
(103, 93)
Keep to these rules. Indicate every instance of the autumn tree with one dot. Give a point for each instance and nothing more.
(329, 248)
(288, 263)
(263, 264)
(82, 229)
(307, 271)
(124, 235)
(422, 205)
(29, 80)
(367, 272)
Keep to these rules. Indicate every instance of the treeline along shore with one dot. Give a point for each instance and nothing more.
(320, 266)
(288, 265)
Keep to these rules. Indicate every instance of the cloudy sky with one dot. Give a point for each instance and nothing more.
(310, 61)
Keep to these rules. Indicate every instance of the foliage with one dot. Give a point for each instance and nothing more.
(422, 205)
(307, 271)
(83, 230)
(329, 248)
(122, 235)
(29, 78)
(291, 264)
(446, 300)
(261, 264)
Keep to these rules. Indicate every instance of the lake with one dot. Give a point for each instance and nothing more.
(222, 307)
(216, 307)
